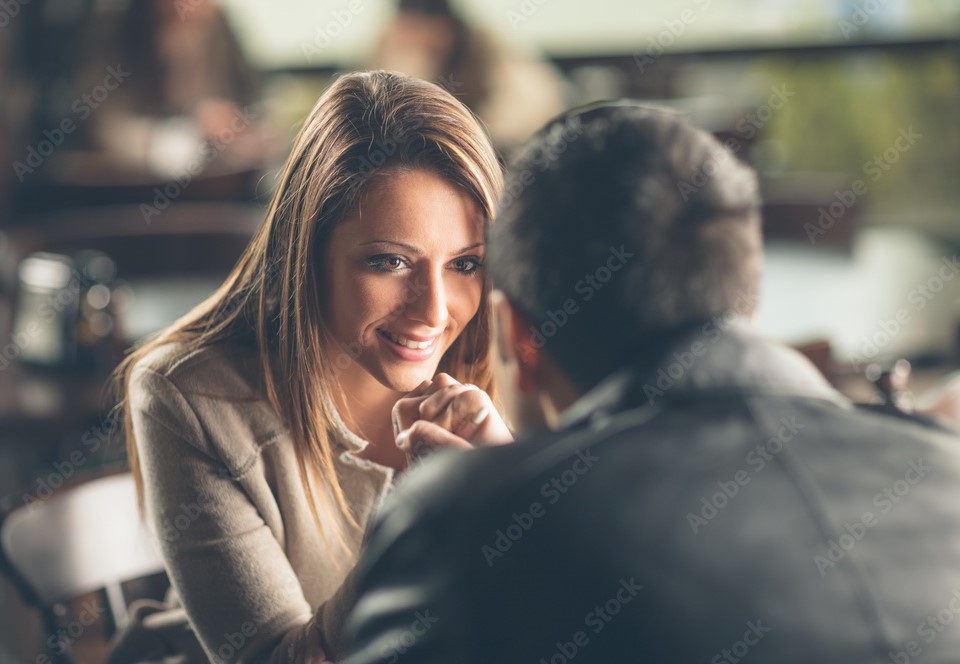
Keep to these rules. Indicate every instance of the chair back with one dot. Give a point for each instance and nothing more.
(83, 539)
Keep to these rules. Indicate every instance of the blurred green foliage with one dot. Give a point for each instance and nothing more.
(848, 111)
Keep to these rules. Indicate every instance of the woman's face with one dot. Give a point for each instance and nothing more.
(403, 277)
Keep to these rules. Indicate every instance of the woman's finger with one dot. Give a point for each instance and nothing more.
(406, 410)
(433, 405)
(467, 412)
(424, 437)
(459, 411)
(444, 380)
(472, 416)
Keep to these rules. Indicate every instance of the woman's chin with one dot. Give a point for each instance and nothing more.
(407, 380)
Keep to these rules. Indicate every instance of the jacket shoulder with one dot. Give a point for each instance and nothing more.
(210, 396)
(473, 479)
(225, 369)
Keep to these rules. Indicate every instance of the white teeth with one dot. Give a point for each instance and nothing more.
(403, 341)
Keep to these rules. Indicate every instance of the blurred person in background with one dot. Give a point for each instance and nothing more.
(264, 416)
(512, 93)
(186, 81)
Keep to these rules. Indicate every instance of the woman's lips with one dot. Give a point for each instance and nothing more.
(409, 347)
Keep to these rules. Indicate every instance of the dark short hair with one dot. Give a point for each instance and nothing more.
(621, 225)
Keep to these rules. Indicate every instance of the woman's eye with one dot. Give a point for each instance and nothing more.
(386, 262)
(467, 264)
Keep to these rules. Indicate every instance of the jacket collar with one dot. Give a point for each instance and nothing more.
(709, 362)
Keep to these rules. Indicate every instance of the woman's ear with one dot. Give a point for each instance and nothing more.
(517, 355)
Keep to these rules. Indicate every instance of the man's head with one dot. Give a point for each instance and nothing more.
(621, 226)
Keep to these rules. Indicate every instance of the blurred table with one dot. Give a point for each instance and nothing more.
(78, 179)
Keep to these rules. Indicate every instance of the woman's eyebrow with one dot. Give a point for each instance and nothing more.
(409, 247)
(416, 250)
(472, 246)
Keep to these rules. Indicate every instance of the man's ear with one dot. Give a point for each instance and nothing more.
(514, 343)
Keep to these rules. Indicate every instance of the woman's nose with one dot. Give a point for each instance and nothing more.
(429, 305)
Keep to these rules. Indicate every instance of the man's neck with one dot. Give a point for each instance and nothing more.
(555, 395)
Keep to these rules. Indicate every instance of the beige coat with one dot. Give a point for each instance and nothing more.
(224, 496)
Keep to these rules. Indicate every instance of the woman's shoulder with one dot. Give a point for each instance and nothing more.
(224, 369)
(210, 396)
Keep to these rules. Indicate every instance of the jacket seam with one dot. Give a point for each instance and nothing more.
(244, 468)
(179, 435)
(182, 361)
(820, 515)
(183, 401)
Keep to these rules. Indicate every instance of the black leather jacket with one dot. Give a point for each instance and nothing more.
(732, 507)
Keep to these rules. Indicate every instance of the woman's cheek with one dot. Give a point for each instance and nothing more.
(379, 298)
(468, 297)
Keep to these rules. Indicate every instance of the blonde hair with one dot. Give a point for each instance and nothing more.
(365, 124)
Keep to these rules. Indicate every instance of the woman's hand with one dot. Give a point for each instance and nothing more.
(446, 413)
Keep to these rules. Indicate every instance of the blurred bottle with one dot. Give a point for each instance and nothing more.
(64, 317)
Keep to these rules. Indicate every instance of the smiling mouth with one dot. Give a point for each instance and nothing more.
(407, 343)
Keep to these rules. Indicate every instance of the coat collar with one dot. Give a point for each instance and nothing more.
(708, 362)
